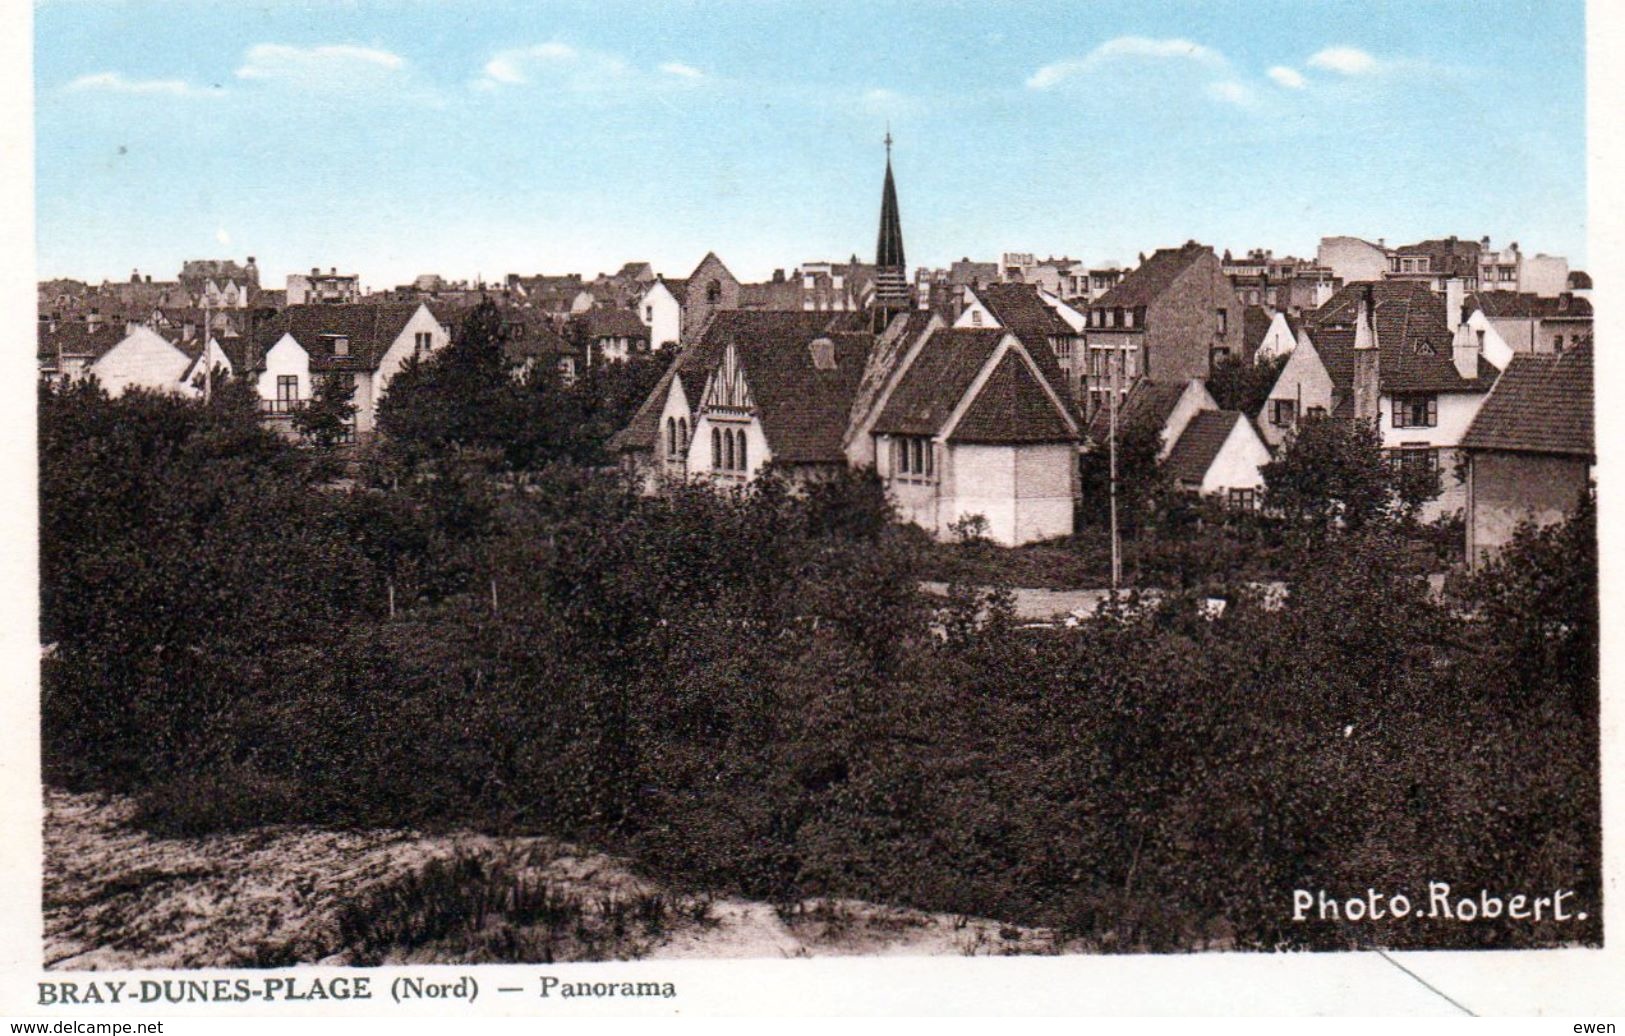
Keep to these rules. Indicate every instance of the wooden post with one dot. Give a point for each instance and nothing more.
(1117, 556)
(392, 600)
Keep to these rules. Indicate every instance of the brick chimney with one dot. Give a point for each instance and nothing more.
(1464, 347)
(1367, 360)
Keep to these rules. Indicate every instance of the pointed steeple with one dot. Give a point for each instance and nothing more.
(891, 277)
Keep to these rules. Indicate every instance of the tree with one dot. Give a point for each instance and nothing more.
(1333, 472)
(1239, 384)
(1138, 475)
(327, 419)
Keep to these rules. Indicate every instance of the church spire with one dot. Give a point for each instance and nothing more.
(891, 268)
(889, 248)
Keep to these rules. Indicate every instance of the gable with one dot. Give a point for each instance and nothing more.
(1012, 407)
(726, 387)
(943, 370)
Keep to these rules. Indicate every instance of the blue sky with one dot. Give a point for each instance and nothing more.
(470, 138)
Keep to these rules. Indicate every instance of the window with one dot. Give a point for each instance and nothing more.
(976, 318)
(914, 458)
(728, 450)
(716, 449)
(713, 292)
(287, 387)
(1414, 456)
(1416, 411)
(682, 435)
(1117, 317)
(1317, 411)
(422, 342)
(671, 436)
(739, 452)
(1557, 344)
(341, 345)
(648, 314)
(1224, 321)
(1283, 412)
(1246, 499)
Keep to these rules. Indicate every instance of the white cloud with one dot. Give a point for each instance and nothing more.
(1290, 78)
(113, 82)
(319, 65)
(1126, 47)
(677, 68)
(1229, 91)
(1349, 61)
(557, 64)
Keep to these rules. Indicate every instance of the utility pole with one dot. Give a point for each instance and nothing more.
(208, 365)
(1117, 555)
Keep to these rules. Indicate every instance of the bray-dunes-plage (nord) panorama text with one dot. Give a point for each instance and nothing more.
(607, 481)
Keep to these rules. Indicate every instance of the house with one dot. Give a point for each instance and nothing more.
(1278, 338)
(612, 335)
(1436, 262)
(1170, 319)
(955, 421)
(662, 313)
(529, 341)
(1167, 407)
(144, 359)
(1531, 447)
(1523, 322)
(1353, 259)
(1382, 352)
(1510, 270)
(970, 425)
(1220, 453)
(1022, 310)
(65, 349)
(364, 343)
(331, 288)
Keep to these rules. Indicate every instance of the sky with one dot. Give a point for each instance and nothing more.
(473, 139)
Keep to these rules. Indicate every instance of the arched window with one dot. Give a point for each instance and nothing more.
(900, 447)
(917, 462)
(671, 436)
(713, 292)
(716, 448)
(728, 450)
(682, 435)
(740, 454)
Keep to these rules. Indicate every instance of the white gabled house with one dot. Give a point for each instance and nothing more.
(1220, 453)
(365, 343)
(143, 359)
(662, 313)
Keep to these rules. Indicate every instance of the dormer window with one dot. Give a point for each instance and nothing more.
(341, 344)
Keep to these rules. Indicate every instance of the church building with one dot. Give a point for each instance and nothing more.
(957, 422)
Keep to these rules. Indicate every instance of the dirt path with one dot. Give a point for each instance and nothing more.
(118, 898)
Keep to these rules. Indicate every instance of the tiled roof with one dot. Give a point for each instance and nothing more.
(1411, 333)
(692, 366)
(613, 323)
(75, 338)
(1012, 407)
(804, 408)
(937, 380)
(1148, 404)
(370, 327)
(1528, 306)
(1541, 404)
(1579, 280)
(890, 350)
(782, 295)
(1151, 278)
(1020, 311)
(643, 431)
(1200, 443)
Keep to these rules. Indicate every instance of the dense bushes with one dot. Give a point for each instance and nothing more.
(744, 691)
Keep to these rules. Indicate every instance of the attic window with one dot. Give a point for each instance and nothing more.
(823, 354)
(1424, 349)
(341, 344)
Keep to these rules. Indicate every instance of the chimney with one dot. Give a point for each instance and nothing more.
(1455, 296)
(315, 271)
(1367, 360)
(1464, 347)
(149, 278)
